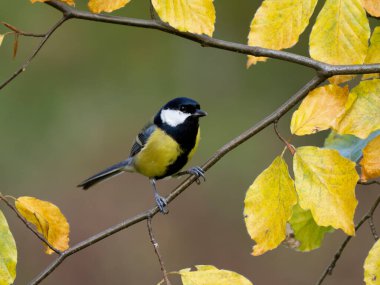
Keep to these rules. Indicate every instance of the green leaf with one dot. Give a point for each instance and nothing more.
(8, 253)
(349, 146)
(306, 230)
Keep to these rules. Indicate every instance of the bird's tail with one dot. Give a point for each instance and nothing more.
(112, 171)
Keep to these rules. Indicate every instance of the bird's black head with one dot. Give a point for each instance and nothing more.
(179, 111)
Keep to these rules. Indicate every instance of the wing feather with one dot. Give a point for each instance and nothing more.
(141, 139)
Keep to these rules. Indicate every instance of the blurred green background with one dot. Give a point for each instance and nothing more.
(77, 109)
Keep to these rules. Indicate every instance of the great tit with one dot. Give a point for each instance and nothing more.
(162, 148)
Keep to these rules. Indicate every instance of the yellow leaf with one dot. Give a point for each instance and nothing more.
(1, 39)
(48, 219)
(371, 160)
(194, 16)
(373, 55)
(340, 35)
(362, 115)
(325, 183)
(268, 206)
(98, 6)
(372, 7)
(372, 266)
(69, 2)
(8, 253)
(278, 24)
(319, 110)
(210, 275)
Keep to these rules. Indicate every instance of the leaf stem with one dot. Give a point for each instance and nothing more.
(29, 226)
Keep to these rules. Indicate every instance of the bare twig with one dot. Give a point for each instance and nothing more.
(38, 48)
(373, 228)
(329, 269)
(288, 145)
(368, 182)
(29, 226)
(156, 249)
(17, 31)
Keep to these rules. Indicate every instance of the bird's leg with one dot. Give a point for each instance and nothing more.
(160, 201)
(196, 171)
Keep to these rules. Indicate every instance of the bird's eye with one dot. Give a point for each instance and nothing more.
(182, 108)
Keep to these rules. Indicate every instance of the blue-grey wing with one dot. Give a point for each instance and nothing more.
(142, 138)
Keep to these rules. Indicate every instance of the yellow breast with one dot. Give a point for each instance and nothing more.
(159, 152)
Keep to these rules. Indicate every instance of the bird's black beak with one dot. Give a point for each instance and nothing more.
(199, 113)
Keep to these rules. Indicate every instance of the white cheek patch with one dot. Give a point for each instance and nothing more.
(173, 117)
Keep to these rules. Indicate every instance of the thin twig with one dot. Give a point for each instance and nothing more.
(156, 249)
(38, 48)
(329, 269)
(17, 31)
(368, 182)
(373, 228)
(288, 145)
(29, 226)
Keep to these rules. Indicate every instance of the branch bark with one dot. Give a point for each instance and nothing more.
(329, 269)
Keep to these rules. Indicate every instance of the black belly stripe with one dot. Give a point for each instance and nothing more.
(185, 136)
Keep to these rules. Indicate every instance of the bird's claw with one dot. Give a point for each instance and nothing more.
(161, 203)
(198, 172)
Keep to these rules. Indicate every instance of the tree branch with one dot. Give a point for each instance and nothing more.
(156, 250)
(277, 114)
(330, 268)
(324, 69)
(29, 226)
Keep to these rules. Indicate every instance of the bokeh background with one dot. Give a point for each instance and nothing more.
(77, 110)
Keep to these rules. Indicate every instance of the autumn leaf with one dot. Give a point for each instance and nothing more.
(210, 275)
(319, 110)
(278, 24)
(98, 6)
(194, 16)
(373, 55)
(325, 182)
(372, 7)
(340, 34)
(8, 253)
(305, 229)
(69, 2)
(372, 265)
(371, 160)
(362, 115)
(48, 220)
(349, 146)
(268, 206)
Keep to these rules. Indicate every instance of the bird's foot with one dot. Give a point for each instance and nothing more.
(161, 203)
(198, 172)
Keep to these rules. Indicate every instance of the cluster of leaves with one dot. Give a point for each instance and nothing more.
(49, 222)
(278, 208)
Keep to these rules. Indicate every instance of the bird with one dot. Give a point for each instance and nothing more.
(162, 148)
